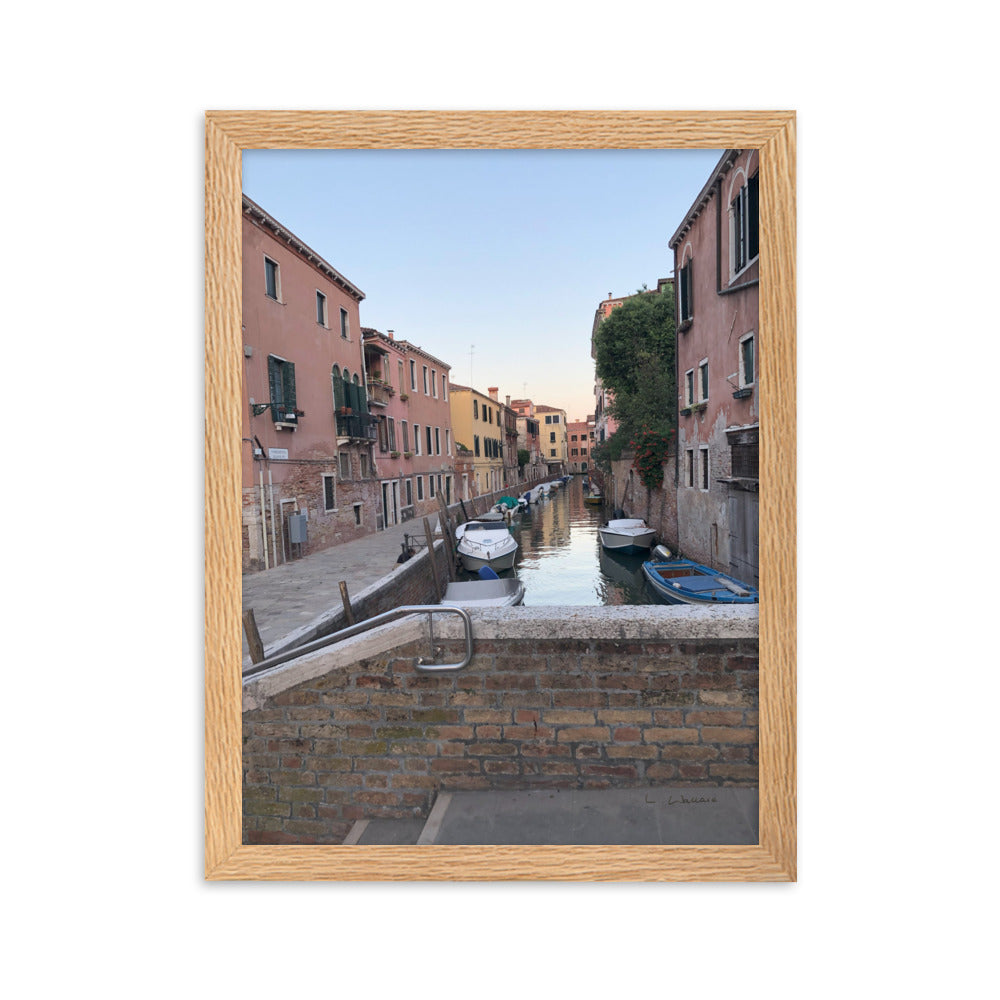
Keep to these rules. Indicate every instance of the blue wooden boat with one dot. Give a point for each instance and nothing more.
(681, 581)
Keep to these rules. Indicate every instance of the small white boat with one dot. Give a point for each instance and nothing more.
(627, 534)
(486, 542)
(489, 591)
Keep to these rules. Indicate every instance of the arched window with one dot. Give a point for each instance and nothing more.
(338, 388)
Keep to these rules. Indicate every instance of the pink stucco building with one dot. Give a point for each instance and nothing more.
(716, 270)
(415, 449)
(308, 474)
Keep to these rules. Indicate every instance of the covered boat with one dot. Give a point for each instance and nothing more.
(489, 591)
(681, 581)
(486, 541)
(627, 534)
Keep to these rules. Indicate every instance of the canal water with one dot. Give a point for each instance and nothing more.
(560, 560)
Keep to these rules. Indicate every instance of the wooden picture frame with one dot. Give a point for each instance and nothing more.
(227, 134)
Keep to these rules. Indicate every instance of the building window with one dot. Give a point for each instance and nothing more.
(392, 433)
(416, 439)
(420, 487)
(434, 383)
(413, 375)
(447, 441)
(281, 383)
(444, 386)
(745, 232)
(552, 436)
(689, 387)
(364, 465)
(409, 492)
(357, 513)
(272, 279)
(345, 329)
(703, 380)
(344, 462)
(406, 435)
(690, 467)
(704, 468)
(475, 409)
(430, 450)
(329, 493)
(426, 392)
(552, 453)
(321, 309)
(685, 300)
(747, 361)
(437, 440)
(548, 419)
(430, 482)
(475, 441)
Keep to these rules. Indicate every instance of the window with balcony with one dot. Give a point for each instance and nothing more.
(281, 385)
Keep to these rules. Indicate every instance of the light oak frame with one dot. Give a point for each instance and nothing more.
(227, 133)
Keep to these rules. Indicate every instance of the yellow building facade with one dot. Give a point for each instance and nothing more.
(477, 423)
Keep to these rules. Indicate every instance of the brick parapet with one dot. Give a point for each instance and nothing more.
(338, 739)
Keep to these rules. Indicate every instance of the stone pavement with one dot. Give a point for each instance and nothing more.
(654, 815)
(287, 597)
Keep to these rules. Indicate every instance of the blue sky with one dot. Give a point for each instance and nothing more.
(493, 261)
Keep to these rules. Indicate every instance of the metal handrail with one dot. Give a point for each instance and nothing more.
(370, 623)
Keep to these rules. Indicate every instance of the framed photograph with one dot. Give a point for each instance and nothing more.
(753, 180)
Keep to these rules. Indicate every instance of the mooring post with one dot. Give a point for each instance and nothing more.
(434, 569)
(348, 613)
(253, 636)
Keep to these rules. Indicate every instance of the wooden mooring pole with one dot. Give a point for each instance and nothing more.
(434, 569)
(253, 636)
(348, 613)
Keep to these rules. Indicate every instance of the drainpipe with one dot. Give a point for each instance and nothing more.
(263, 516)
(270, 495)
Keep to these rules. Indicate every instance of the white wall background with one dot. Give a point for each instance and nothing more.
(102, 255)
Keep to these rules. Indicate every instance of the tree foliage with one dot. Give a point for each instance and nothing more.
(635, 348)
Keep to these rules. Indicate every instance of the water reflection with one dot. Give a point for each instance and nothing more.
(560, 559)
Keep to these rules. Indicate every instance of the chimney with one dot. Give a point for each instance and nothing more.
(494, 392)
(508, 402)
(392, 335)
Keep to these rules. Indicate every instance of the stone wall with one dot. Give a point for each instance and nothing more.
(577, 698)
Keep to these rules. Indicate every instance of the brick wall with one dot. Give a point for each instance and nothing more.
(561, 698)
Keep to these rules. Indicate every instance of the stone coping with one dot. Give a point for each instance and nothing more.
(626, 623)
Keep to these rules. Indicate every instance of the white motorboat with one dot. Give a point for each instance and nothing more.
(489, 591)
(626, 534)
(486, 542)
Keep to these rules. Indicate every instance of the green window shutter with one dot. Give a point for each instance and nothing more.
(753, 212)
(275, 386)
(288, 377)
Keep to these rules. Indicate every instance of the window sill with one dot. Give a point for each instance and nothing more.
(685, 325)
(745, 393)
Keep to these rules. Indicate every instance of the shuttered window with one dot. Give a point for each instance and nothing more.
(271, 286)
(281, 382)
(685, 298)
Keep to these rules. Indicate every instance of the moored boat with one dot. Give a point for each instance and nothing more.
(489, 591)
(627, 534)
(594, 497)
(486, 541)
(682, 581)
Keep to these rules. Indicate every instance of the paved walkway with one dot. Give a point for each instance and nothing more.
(286, 597)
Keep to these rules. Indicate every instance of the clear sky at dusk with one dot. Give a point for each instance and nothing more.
(493, 261)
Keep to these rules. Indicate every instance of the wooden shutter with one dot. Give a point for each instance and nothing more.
(753, 216)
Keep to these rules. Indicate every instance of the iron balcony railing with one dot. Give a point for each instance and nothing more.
(361, 426)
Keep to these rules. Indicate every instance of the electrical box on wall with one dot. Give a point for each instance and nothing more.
(297, 528)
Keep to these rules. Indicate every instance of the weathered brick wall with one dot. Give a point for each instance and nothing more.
(378, 738)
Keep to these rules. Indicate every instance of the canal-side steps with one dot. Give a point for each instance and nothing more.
(565, 816)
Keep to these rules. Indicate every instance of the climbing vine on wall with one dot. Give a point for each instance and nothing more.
(651, 450)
